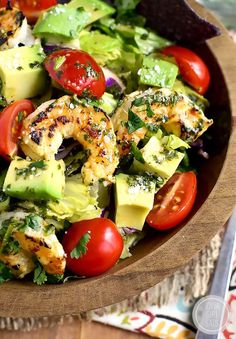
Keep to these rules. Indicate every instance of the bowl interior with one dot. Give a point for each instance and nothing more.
(215, 144)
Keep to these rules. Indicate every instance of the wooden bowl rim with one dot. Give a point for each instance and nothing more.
(20, 299)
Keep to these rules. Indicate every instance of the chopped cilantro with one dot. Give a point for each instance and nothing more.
(33, 221)
(150, 112)
(35, 64)
(5, 273)
(20, 116)
(58, 62)
(134, 122)
(31, 169)
(138, 102)
(81, 247)
(40, 276)
(55, 278)
(137, 153)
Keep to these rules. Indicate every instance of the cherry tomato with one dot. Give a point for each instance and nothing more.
(31, 8)
(103, 248)
(10, 126)
(4, 3)
(174, 201)
(77, 72)
(192, 68)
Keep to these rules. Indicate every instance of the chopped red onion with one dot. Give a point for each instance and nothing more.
(112, 80)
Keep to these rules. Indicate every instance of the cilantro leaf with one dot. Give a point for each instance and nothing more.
(55, 278)
(150, 112)
(138, 102)
(33, 221)
(58, 62)
(137, 153)
(21, 116)
(40, 276)
(125, 5)
(134, 122)
(81, 247)
(5, 273)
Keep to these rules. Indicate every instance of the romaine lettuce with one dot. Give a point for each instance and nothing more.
(77, 203)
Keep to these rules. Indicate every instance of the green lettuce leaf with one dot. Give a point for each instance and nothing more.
(77, 204)
(102, 47)
(130, 240)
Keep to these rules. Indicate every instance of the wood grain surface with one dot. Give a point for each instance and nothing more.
(76, 330)
(158, 255)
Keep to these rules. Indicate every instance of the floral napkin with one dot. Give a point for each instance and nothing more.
(173, 321)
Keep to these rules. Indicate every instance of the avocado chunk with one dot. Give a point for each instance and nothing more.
(38, 180)
(158, 159)
(61, 21)
(157, 72)
(97, 9)
(134, 195)
(196, 98)
(21, 73)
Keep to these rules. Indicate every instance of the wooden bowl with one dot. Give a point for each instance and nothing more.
(158, 255)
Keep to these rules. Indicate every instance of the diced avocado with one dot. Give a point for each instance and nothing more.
(62, 21)
(39, 180)
(97, 9)
(198, 99)
(21, 72)
(134, 195)
(108, 103)
(157, 72)
(148, 41)
(157, 159)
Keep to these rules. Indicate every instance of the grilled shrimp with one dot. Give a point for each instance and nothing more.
(20, 263)
(14, 29)
(155, 107)
(47, 249)
(44, 130)
(33, 242)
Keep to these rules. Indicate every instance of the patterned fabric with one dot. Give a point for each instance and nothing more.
(173, 321)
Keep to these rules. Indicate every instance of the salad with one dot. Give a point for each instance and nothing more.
(98, 115)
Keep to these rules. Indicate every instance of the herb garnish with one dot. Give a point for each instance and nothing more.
(134, 122)
(40, 276)
(58, 62)
(20, 116)
(35, 64)
(137, 153)
(150, 112)
(31, 169)
(81, 247)
(5, 273)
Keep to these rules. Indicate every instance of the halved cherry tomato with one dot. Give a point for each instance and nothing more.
(192, 68)
(32, 9)
(174, 201)
(10, 126)
(104, 246)
(77, 72)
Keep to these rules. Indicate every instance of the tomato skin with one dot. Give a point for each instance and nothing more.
(103, 249)
(79, 73)
(10, 127)
(173, 202)
(192, 68)
(32, 9)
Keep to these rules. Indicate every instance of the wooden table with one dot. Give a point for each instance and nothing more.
(75, 330)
